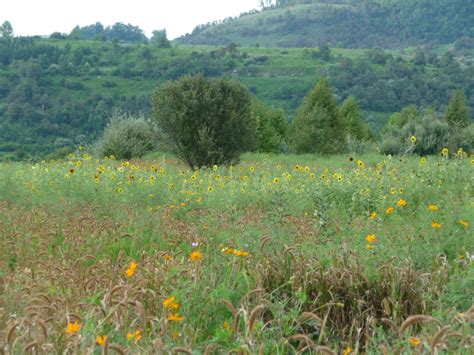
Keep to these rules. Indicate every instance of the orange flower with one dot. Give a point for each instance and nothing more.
(170, 303)
(101, 339)
(414, 341)
(167, 257)
(241, 253)
(73, 328)
(370, 246)
(435, 224)
(131, 269)
(196, 256)
(137, 335)
(464, 223)
(401, 202)
(175, 317)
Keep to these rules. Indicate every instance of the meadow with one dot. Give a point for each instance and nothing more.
(279, 254)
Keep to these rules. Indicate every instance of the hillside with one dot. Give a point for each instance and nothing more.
(57, 93)
(344, 23)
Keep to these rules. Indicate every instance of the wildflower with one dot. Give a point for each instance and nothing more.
(226, 325)
(360, 163)
(73, 328)
(195, 244)
(175, 317)
(433, 208)
(464, 223)
(400, 190)
(307, 169)
(276, 180)
(137, 335)
(215, 167)
(170, 303)
(389, 210)
(78, 163)
(101, 339)
(196, 256)
(193, 177)
(297, 167)
(312, 176)
(370, 246)
(347, 351)
(119, 190)
(241, 253)
(131, 269)
(228, 251)
(445, 151)
(373, 215)
(401, 202)
(393, 191)
(71, 171)
(422, 160)
(167, 257)
(435, 224)
(371, 238)
(414, 341)
(210, 189)
(413, 139)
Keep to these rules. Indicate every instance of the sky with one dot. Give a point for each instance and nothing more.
(178, 17)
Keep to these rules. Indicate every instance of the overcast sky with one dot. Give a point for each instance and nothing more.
(43, 17)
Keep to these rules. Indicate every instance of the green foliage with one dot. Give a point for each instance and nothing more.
(318, 126)
(205, 121)
(351, 114)
(126, 137)
(350, 23)
(6, 29)
(117, 32)
(457, 112)
(159, 39)
(432, 133)
(271, 127)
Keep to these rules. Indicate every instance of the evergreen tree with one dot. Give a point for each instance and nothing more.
(457, 112)
(318, 126)
(351, 114)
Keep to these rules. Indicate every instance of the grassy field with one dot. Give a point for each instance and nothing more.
(279, 254)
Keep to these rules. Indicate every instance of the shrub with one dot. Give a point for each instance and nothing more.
(126, 137)
(205, 121)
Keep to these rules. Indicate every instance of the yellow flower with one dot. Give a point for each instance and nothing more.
(413, 139)
(169, 301)
(347, 351)
(119, 190)
(73, 328)
(137, 335)
(389, 210)
(196, 256)
(370, 246)
(435, 224)
(360, 163)
(414, 341)
(276, 180)
(175, 317)
(422, 160)
(101, 339)
(167, 257)
(445, 151)
(226, 325)
(373, 215)
(215, 167)
(210, 189)
(131, 269)
(401, 202)
(371, 238)
(78, 163)
(433, 208)
(464, 223)
(297, 167)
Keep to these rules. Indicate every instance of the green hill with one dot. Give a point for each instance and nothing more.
(57, 93)
(344, 23)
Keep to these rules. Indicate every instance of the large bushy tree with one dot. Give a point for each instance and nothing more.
(351, 114)
(318, 127)
(205, 121)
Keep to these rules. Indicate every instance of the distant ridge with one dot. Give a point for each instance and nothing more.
(344, 23)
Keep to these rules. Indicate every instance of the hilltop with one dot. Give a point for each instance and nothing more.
(343, 23)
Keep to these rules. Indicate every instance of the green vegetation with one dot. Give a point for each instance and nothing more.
(59, 93)
(205, 121)
(344, 23)
(276, 254)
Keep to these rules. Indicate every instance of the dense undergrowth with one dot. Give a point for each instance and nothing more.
(280, 254)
